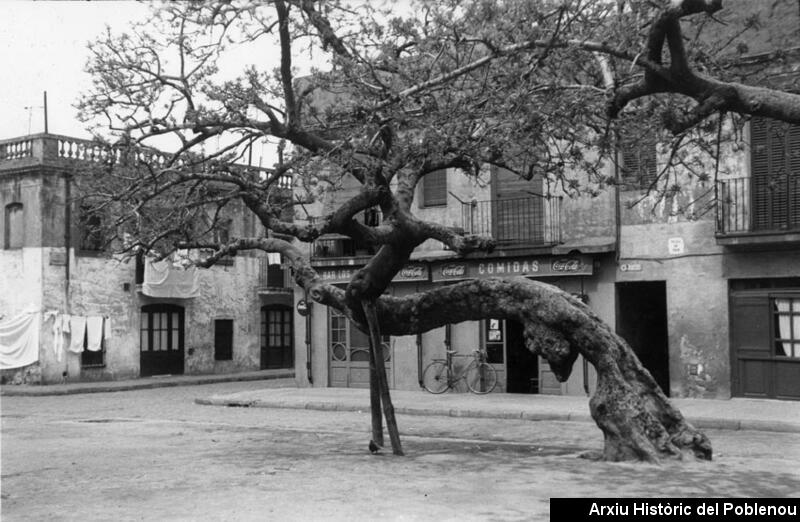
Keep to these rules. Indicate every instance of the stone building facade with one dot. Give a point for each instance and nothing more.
(237, 320)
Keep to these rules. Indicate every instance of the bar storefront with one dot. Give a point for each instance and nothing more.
(340, 352)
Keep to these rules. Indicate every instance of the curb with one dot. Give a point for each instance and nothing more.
(698, 422)
(10, 390)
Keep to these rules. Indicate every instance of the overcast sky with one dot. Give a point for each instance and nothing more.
(43, 48)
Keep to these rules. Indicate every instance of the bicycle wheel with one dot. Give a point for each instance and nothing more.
(434, 378)
(481, 377)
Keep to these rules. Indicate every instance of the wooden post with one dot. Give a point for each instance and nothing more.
(375, 399)
(371, 314)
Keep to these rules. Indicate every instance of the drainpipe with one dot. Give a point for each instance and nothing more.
(419, 359)
(308, 341)
(67, 244)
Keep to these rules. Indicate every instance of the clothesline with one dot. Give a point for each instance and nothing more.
(20, 336)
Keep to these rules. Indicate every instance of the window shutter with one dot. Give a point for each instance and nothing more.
(223, 339)
(639, 163)
(434, 188)
(775, 171)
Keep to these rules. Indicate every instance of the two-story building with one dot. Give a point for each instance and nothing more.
(71, 311)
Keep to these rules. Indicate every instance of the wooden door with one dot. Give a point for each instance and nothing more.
(161, 336)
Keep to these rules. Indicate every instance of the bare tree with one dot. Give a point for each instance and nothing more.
(538, 88)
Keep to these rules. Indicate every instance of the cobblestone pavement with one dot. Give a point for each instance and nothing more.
(155, 455)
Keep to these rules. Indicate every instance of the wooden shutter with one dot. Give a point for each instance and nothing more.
(750, 344)
(434, 189)
(775, 174)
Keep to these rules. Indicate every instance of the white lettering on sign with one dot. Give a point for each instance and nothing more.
(566, 265)
(675, 246)
(454, 270)
(416, 271)
(631, 267)
(508, 267)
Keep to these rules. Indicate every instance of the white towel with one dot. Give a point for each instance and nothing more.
(77, 328)
(58, 336)
(273, 258)
(19, 340)
(94, 333)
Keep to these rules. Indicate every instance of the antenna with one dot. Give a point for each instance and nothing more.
(30, 108)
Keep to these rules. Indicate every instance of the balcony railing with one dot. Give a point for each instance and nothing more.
(54, 149)
(335, 245)
(762, 205)
(273, 277)
(515, 222)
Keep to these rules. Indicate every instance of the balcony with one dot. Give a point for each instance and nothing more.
(758, 211)
(273, 278)
(337, 245)
(515, 222)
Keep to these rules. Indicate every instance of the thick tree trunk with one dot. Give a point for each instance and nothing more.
(636, 418)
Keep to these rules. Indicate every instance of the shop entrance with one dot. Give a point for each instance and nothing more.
(642, 322)
(522, 366)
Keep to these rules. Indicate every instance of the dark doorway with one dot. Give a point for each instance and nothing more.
(642, 321)
(522, 366)
(161, 340)
(277, 348)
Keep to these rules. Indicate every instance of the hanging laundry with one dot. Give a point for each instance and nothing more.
(94, 333)
(58, 333)
(77, 327)
(164, 280)
(273, 258)
(19, 340)
(106, 329)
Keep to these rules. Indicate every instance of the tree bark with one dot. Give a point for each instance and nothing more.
(636, 418)
(375, 344)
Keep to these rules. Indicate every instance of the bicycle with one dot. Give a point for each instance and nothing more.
(480, 377)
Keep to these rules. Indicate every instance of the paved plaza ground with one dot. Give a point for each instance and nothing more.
(155, 454)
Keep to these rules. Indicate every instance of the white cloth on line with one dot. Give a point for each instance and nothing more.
(94, 333)
(19, 340)
(58, 336)
(77, 327)
(164, 280)
(273, 258)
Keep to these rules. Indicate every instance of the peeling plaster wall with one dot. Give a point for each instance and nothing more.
(697, 301)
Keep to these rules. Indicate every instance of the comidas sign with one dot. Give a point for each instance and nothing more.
(511, 267)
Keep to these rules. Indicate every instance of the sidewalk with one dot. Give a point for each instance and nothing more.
(733, 414)
(8, 390)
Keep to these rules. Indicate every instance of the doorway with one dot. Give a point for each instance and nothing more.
(642, 322)
(161, 340)
(522, 365)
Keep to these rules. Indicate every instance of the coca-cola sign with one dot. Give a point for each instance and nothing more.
(413, 272)
(454, 270)
(566, 265)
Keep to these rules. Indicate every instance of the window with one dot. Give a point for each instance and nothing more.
(493, 339)
(15, 226)
(638, 163)
(93, 359)
(349, 344)
(434, 189)
(91, 231)
(223, 339)
(786, 313)
(775, 174)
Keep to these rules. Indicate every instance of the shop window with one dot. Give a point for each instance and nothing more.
(223, 339)
(786, 313)
(494, 339)
(15, 226)
(349, 344)
(434, 189)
